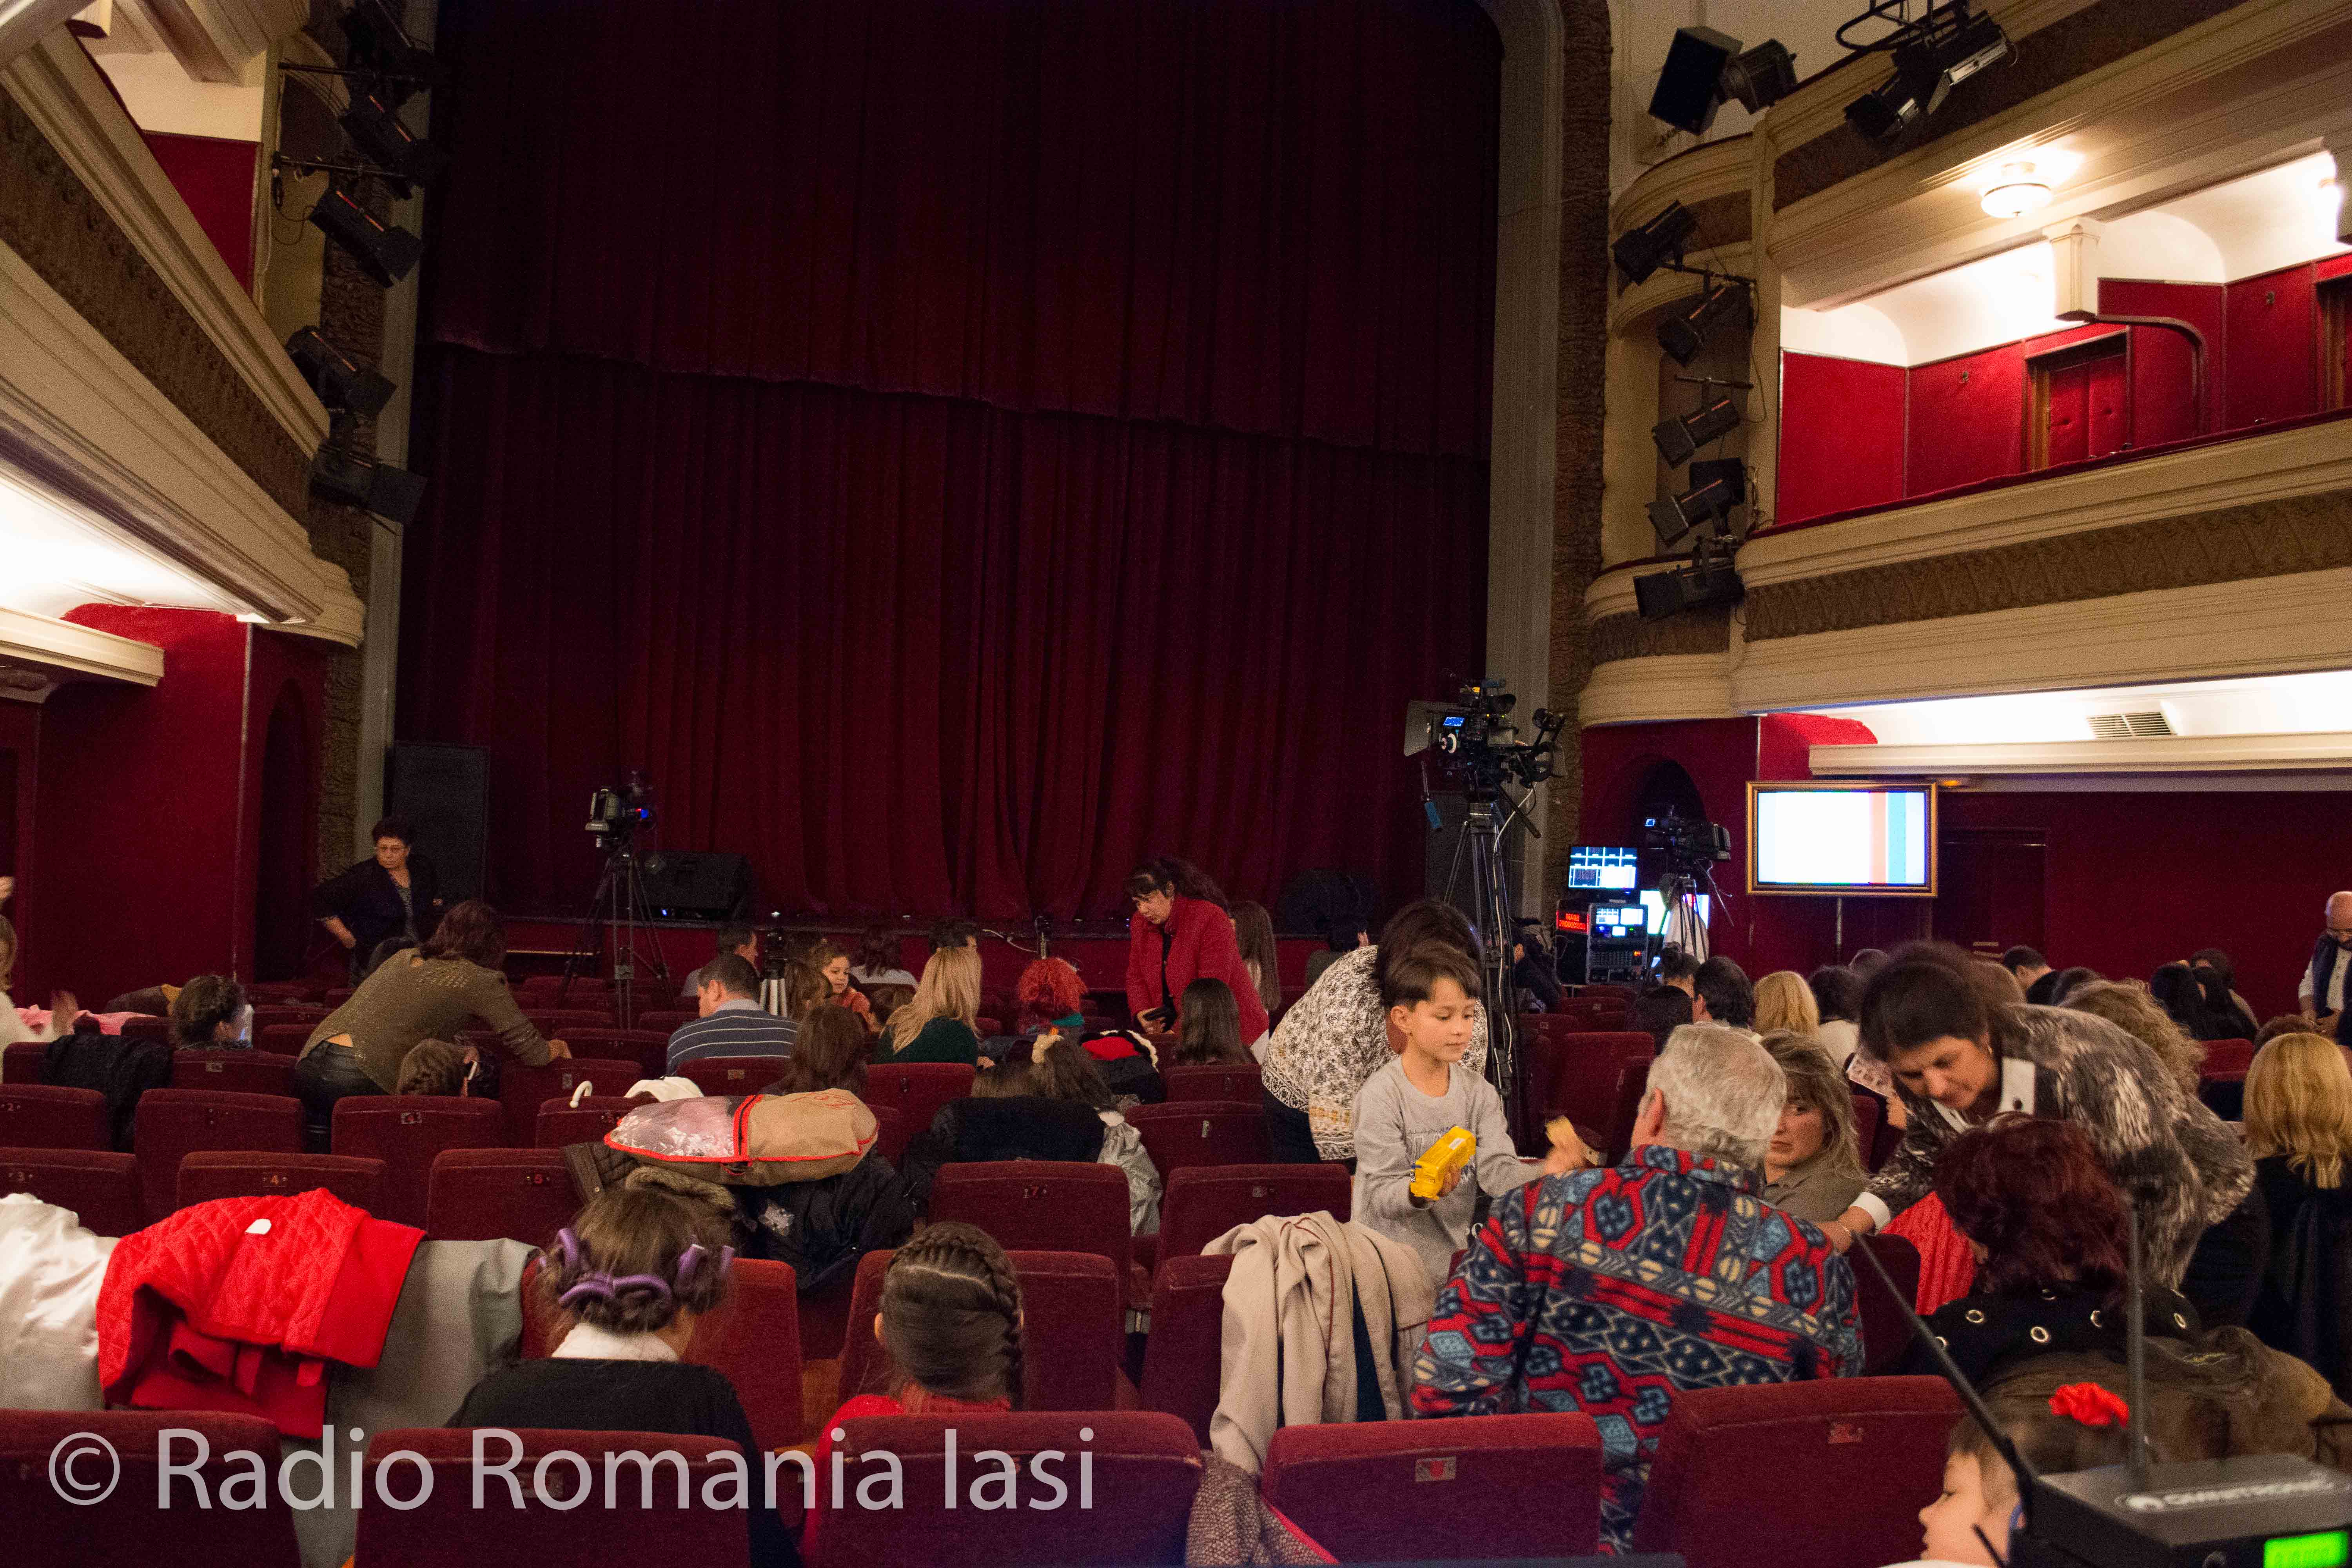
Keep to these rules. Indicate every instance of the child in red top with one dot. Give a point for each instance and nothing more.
(951, 1324)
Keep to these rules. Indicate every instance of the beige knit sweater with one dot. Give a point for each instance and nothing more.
(411, 999)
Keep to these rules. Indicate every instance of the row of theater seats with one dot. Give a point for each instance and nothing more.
(1783, 1476)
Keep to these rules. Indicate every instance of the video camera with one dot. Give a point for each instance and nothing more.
(615, 815)
(1688, 846)
(1477, 738)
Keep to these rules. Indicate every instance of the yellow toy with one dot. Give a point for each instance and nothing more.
(1437, 1164)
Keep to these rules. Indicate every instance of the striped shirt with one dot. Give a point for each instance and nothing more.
(739, 1028)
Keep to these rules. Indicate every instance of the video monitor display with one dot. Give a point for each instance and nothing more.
(1619, 922)
(1598, 869)
(1842, 838)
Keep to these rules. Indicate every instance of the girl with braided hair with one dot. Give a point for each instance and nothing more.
(628, 1280)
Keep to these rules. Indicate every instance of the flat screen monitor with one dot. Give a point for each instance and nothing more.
(1842, 838)
(1619, 922)
(1596, 868)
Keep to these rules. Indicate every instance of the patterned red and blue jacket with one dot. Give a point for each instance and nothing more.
(1606, 1292)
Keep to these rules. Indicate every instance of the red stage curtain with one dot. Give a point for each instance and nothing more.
(954, 448)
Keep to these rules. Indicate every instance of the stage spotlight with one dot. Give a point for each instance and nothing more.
(1886, 110)
(1678, 439)
(373, 125)
(340, 381)
(1684, 332)
(1761, 77)
(1943, 49)
(1690, 86)
(1717, 485)
(1701, 585)
(386, 253)
(378, 43)
(340, 474)
(1641, 251)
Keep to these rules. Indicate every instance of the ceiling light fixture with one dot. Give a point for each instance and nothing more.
(2017, 190)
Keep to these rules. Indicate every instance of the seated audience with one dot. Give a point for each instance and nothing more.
(954, 933)
(1785, 1002)
(733, 1022)
(1253, 935)
(432, 1067)
(938, 1025)
(1970, 1523)
(1673, 1001)
(1342, 937)
(1049, 992)
(2002, 983)
(2284, 1024)
(2048, 1225)
(210, 1013)
(877, 962)
(1837, 997)
(2197, 1001)
(1420, 1096)
(2026, 963)
(829, 1051)
(63, 1009)
(1337, 1035)
(628, 1281)
(2062, 985)
(1813, 1168)
(1209, 1026)
(1004, 1117)
(2215, 970)
(1534, 976)
(1600, 1291)
(455, 980)
(1867, 961)
(742, 940)
(823, 1228)
(2138, 1013)
(831, 967)
(1061, 1069)
(2299, 1130)
(1962, 1053)
(1181, 933)
(1723, 994)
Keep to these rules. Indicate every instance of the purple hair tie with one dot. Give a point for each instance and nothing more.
(601, 1284)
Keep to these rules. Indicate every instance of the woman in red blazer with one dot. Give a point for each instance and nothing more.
(1177, 940)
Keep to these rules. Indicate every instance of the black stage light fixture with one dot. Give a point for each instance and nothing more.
(373, 125)
(1717, 485)
(1701, 585)
(1679, 438)
(1886, 110)
(1690, 86)
(1761, 77)
(1940, 51)
(377, 43)
(340, 472)
(1684, 333)
(340, 381)
(1642, 251)
(385, 252)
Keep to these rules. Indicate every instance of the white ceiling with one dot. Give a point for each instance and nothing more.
(2316, 703)
(54, 557)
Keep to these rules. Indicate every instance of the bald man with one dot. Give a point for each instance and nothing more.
(2323, 988)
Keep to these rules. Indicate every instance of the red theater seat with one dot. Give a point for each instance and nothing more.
(1201, 1132)
(1399, 1490)
(21, 1062)
(1071, 1331)
(405, 1131)
(523, 1089)
(483, 1195)
(890, 1134)
(145, 1027)
(732, 1075)
(552, 1021)
(286, 993)
(43, 1116)
(1625, 1109)
(127, 1526)
(1795, 1475)
(2228, 1059)
(1204, 1202)
(339, 994)
(649, 1048)
(560, 1123)
(210, 1173)
(174, 1123)
(241, 1072)
(1182, 1358)
(1868, 1112)
(1040, 1206)
(661, 1019)
(1575, 1074)
(1231, 1083)
(448, 1532)
(306, 1018)
(100, 1186)
(283, 1039)
(1885, 1329)
(916, 1090)
(1146, 1469)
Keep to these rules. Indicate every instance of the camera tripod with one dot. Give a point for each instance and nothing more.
(1491, 912)
(617, 909)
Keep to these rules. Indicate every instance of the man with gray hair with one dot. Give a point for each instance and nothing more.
(1608, 1292)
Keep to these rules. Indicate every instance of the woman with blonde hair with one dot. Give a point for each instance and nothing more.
(1812, 1169)
(2139, 1014)
(939, 1024)
(1783, 1001)
(2299, 1130)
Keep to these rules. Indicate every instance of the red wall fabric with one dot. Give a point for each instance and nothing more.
(215, 178)
(2273, 370)
(1841, 423)
(1968, 420)
(20, 758)
(1192, 501)
(279, 845)
(2088, 415)
(2162, 409)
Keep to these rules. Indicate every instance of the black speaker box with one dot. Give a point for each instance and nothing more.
(697, 885)
(445, 793)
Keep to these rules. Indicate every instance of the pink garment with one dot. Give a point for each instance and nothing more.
(37, 1020)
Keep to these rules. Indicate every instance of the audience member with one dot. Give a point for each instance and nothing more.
(2284, 1024)
(829, 1051)
(1050, 992)
(1176, 939)
(432, 1067)
(386, 951)
(1837, 997)
(1678, 970)
(1003, 1118)
(63, 1009)
(1969, 1522)
(1866, 963)
(1210, 1026)
(1419, 1098)
(2026, 963)
(2221, 975)
(2062, 985)
(1534, 979)
(2196, 1001)
(1337, 1035)
(1784, 1002)
(629, 1280)
(2048, 1225)
(2299, 1130)
(395, 892)
(1959, 1057)
(1253, 935)
(876, 961)
(1342, 937)
(1605, 1292)
(2136, 1011)
(1660, 1011)
(2321, 989)
(1725, 997)
(831, 966)
(732, 1023)
(823, 1228)
(742, 940)
(2001, 987)
(454, 981)
(210, 1013)
(1061, 1069)
(1813, 1168)
(954, 933)
(938, 1025)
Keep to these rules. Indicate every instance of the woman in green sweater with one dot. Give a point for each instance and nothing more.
(938, 1025)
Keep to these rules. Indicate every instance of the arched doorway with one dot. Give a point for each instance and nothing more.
(285, 873)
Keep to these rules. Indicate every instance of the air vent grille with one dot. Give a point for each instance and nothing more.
(2129, 726)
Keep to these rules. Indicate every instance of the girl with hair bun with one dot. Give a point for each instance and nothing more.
(628, 1280)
